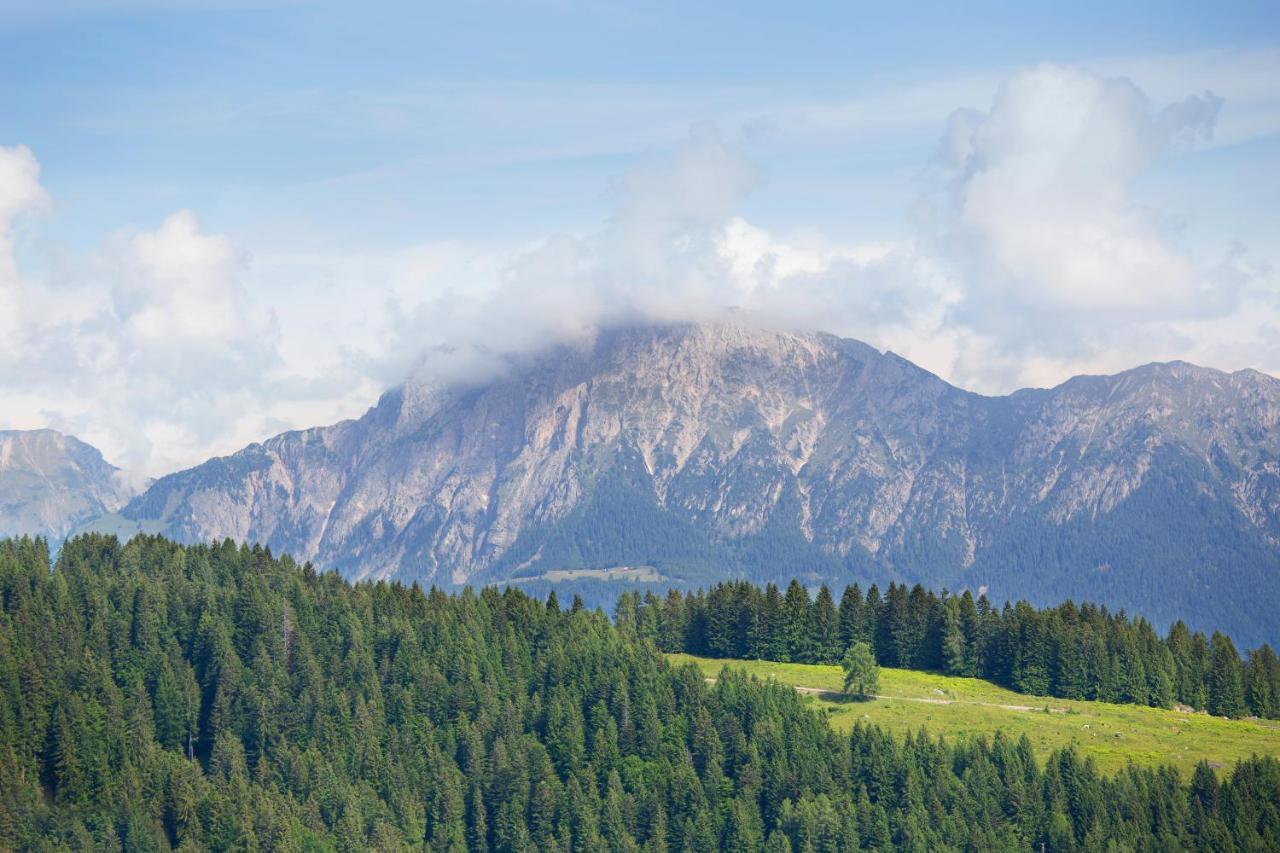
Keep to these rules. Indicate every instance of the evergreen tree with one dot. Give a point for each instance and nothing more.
(851, 617)
(772, 644)
(796, 623)
(861, 674)
(1226, 687)
(1262, 682)
(155, 697)
(955, 647)
(825, 640)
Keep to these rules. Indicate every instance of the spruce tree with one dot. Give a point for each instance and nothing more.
(1226, 687)
(796, 628)
(825, 640)
(851, 618)
(954, 647)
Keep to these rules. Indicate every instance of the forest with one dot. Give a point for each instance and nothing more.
(155, 697)
(1069, 651)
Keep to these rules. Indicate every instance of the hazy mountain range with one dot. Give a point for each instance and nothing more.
(51, 483)
(720, 449)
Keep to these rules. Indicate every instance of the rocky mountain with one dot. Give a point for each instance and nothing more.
(51, 483)
(719, 449)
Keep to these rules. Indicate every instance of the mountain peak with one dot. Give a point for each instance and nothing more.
(723, 447)
(50, 483)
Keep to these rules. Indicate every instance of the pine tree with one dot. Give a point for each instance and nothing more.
(477, 823)
(773, 642)
(795, 612)
(777, 843)
(826, 628)
(851, 618)
(1071, 673)
(1262, 682)
(954, 646)
(1226, 688)
(861, 674)
(170, 711)
(970, 624)
(674, 625)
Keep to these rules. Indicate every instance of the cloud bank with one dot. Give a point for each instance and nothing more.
(1029, 258)
(149, 349)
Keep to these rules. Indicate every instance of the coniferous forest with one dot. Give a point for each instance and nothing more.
(1070, 651)
(154, 696)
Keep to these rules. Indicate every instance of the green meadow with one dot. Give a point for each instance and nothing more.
(960, 708)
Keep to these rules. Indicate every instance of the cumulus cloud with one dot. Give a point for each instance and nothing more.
(150, 350)
(1038, 207)
(20, 189)
(177, 287)
(1033, 210)
(1030, 253)
(20, 194)
(658, 256)
(1029, 258)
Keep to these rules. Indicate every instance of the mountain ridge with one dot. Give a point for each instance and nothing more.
(51, 483)
(720, 449)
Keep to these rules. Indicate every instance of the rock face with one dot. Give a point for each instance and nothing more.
(718, 449)
(52, 483)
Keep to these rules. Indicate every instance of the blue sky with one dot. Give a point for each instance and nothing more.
(337, 189)
(484, 119)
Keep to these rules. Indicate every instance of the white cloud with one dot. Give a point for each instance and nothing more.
(1031, 261)
(1039, 206)
(20, 193)
(178, 288)
(1244, 79)
(656, 257)
(1033, 211)
(20, 189)
(151, 351)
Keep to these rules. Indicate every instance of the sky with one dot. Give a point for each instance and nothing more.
(222, 219)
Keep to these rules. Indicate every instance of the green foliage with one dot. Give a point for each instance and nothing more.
(1226, 687)
(1071, 651)
(1149, 554)
(961, 708)
(861, 674)
(155, 697)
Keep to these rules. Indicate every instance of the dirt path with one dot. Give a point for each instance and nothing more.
(837, 695)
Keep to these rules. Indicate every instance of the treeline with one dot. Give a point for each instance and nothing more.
(155, 697)
(1069, 651)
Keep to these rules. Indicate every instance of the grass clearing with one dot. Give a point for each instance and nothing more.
(637, 574)
(962, 708)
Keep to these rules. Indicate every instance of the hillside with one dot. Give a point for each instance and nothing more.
(968, 708)
(155, 697)
(51, 484)
(718, 450)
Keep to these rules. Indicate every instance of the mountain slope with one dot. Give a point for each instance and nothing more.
(718, 448)
(51, 483)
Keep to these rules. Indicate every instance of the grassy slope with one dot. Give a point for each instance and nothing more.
(1111, 734)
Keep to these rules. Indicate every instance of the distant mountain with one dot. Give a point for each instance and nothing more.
(51, 483)
(719, 450)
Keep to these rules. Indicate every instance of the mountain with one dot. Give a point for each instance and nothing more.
(714, 450)
(51, 483)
